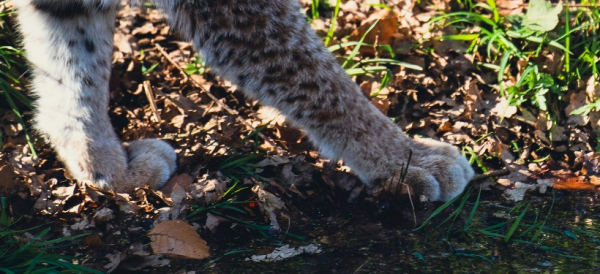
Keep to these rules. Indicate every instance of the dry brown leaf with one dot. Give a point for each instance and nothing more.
(93, 241)
(503, 109)
(590, 162)
(7, 178)
(212, 222)
(576, 100)
(595, 118)
(381, 34)
(104, 215)
(125, 203)
(275, 160)
(382, 105)
(178, 239)
(518, 173)
(208, 191)
(510, 7)
(147, 28)
(592, 87)
(184, 180)
(123, 42)
(270, 204)
(270, 115)
(289, 136)
(578, 183)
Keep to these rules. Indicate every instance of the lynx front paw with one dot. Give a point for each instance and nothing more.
(436, 171)
(151, 163)
(145, 162)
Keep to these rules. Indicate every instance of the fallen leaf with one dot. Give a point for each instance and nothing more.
(503, 109)
(517, 193)
(104, 215)
(284, 252)
(576, 101)
(510, 7)
(126, 204)
(184, 180)
(7, 178)
(578, 183)
(381, 34)
(269, 204)
(114, 261)
(208, 191)
(541, 15)
(212, 222)
(177, 239)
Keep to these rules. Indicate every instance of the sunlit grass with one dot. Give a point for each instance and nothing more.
(11, 69)
(506, 41)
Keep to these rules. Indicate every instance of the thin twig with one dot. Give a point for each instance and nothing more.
(525, 152)
(362, 265)
(150, 97)
(495, 173)
(166, 55)
(402, 179)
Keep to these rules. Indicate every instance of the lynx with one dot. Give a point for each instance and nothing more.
(265, 47)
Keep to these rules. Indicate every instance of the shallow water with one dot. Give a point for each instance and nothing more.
(554, 233)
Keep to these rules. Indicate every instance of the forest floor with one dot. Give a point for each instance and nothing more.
(248, 185)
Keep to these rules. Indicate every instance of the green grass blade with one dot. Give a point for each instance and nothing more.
(355, 50)
(501, 69)
(473, 210)
(333, 21)
(440, 209)
(516, 223)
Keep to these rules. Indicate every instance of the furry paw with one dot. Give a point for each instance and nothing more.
(151, 163)
(436, 171)
(145, 162)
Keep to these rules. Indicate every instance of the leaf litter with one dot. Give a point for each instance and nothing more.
(285, 185)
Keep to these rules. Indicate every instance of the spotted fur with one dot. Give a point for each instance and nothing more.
(265, 47)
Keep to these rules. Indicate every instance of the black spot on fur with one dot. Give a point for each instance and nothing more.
(89, 45)
(293, 98)
(273, 69)
(242, 78)
(61, 9)
(71, 43)
(97, 176)
(298, 115)
(312, 86)
(87, 80)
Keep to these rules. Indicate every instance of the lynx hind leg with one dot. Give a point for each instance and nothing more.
(268, 49)
(69, 45)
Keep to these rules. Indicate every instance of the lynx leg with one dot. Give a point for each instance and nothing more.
(69, 45)
(267, 48)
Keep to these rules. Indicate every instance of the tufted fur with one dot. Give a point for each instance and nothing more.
(263, 46)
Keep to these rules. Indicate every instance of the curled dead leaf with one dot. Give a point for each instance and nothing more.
(270, 204)
(178, 239)
(208, 191)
